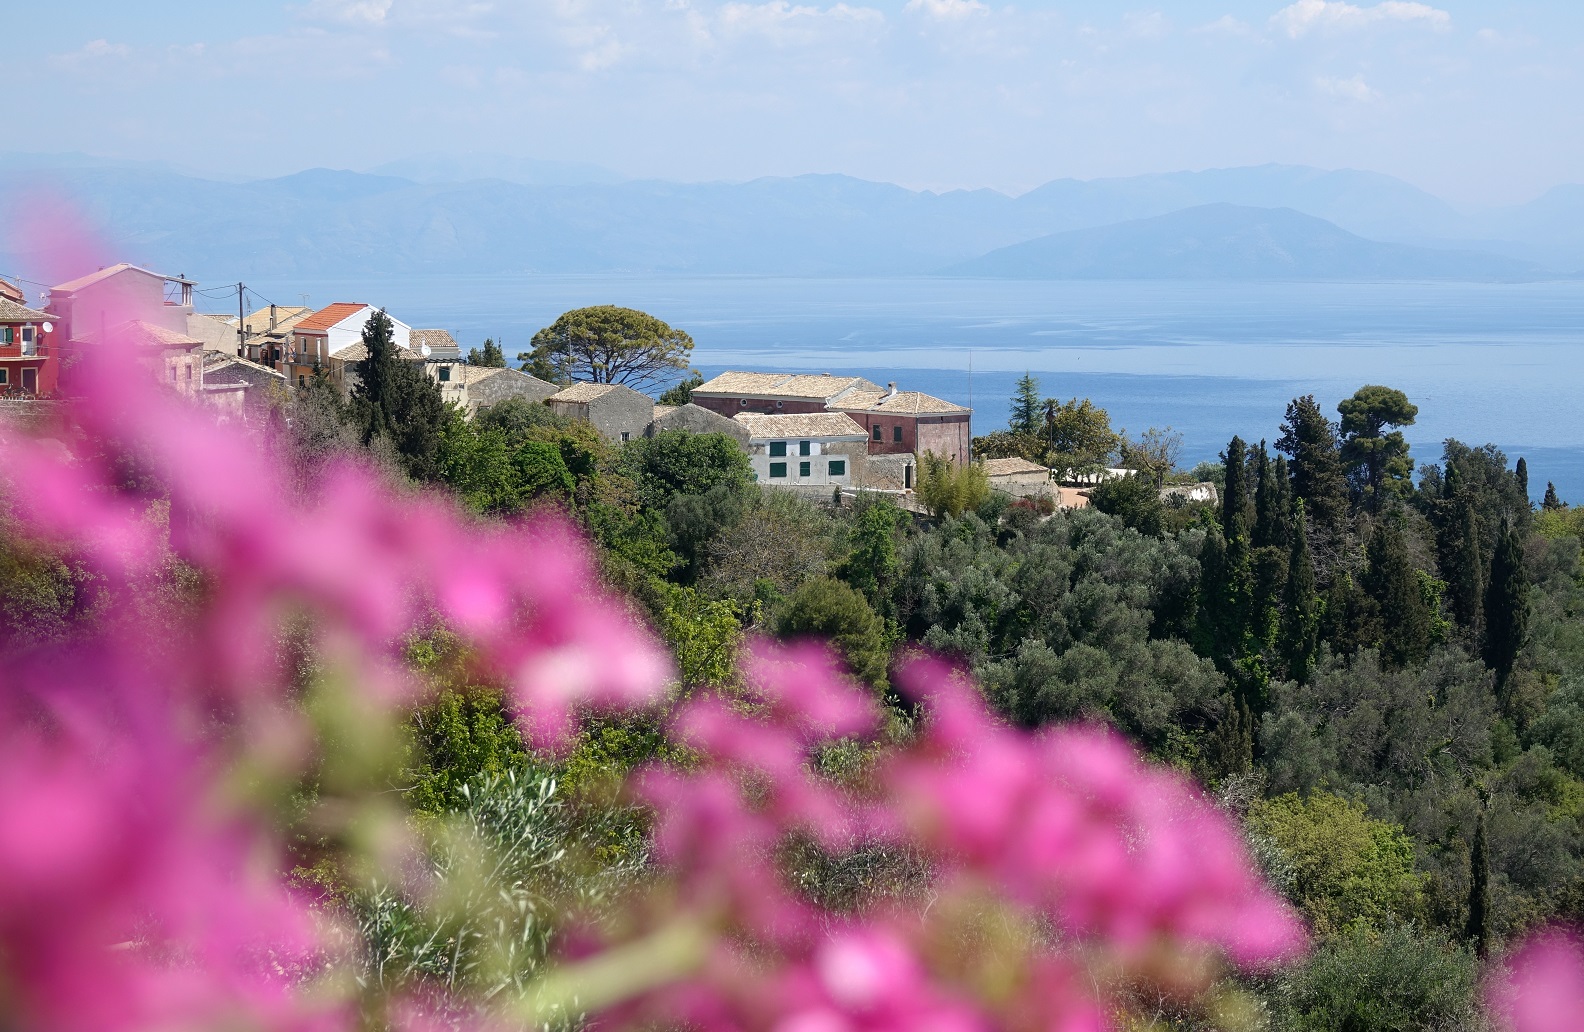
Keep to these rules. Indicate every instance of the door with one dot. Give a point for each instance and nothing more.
(30, 381)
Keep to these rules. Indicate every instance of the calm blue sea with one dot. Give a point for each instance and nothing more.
(1493, 363)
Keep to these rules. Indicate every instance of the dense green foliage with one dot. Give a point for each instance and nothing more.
(1383, 677)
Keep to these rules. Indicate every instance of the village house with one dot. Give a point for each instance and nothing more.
(322, 339)
(483, 386)
(128, 305)
(615, 410)
(895, 422)
(909, 422)
(814, 449)
(696, 420)
(732, 393)
(25, 360)
(266, 333)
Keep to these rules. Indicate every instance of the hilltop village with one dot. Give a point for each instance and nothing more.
(810, 432)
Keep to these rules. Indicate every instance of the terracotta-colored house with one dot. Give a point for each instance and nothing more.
(909, 422)
(126, 305)
(28, 364)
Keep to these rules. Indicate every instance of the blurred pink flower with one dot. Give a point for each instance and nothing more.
(1542, 989)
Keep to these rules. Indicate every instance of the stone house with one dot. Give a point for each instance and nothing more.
(617, 411)
(815, 449)
(732, 393)
(696, 420)
(483, 386)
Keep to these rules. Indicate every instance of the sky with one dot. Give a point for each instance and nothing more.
(1478, 102)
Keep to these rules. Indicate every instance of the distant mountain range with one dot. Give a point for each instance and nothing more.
(439, 215)
(1228, 241)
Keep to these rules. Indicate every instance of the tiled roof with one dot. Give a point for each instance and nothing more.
(11, 312)
(72, 286)
(661, 411)
(812, 424)
(259, 321)
(475, 373)
(583, 392)
(149, 335)
(436, 339)
(12, 291)
(330, 315)
(1013, 467)
(815, 387)
(357, 352)
(906, 403)
(231, 364)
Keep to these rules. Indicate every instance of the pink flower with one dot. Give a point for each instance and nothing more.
(1543, 988)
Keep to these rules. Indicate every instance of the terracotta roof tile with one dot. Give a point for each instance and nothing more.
(813, 386)
(286, 316)
(329, 316)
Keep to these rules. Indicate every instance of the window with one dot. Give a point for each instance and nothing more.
(778, 448)
(5, 376)
(30, 381)
(803, 447)
(302, 381)
(896, 434)
(777, 469)
(877, 431)
(27, 334)
(742, 402)
(803, 469)
(625, 435)
(173, 374)
(445, 374)
(10, 335)
(837, 467)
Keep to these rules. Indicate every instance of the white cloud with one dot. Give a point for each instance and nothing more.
(1151, 25)
(1309, 15)
(947, 10)
(92, 52)
(1352, 88)
(353, 12)
(1226, 25)
(784, 22)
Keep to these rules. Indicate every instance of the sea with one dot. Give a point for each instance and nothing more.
(1486, 363)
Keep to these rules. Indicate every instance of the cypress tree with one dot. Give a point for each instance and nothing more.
(1521, 471)
(1393, 582)
(1234, 498)
(395, 400)
(1506, 606)
(1551, 502)
(1465, 573)
(1300, 633)
(1026, 406)
(1476, 929)
(1268, 523)
(1310, 441)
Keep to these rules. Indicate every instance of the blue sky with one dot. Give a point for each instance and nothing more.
(1480, 102)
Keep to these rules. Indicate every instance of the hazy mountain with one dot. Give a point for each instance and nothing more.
(462, 168)
(1226, 241)
(1366, 203)
(328, 223)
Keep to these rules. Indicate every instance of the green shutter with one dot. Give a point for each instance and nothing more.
(777, 448)
(838, 467)
(777, 469)
(803, 468)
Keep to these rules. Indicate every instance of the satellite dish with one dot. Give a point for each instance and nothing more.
(48, 327)
(423, 349)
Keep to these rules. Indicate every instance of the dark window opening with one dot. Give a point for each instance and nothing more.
(803, 468)
(838, 467)
(777, 469)
(778, 448)
(803, 447)
(896, 434)
(877, 431)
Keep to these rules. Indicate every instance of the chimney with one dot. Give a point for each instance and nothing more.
(272, 317)
(890, 391)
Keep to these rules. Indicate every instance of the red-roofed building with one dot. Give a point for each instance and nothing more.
(318, 340)
(25, 362)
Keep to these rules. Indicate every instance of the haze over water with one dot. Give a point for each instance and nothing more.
(1498, 363)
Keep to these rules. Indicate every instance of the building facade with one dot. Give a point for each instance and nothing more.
(128, 306)
(27, 367)
(816, 449)
(617, 411)
(895, 422)
(319, 340)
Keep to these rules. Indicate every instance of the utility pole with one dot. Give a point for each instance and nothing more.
(241, 323)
